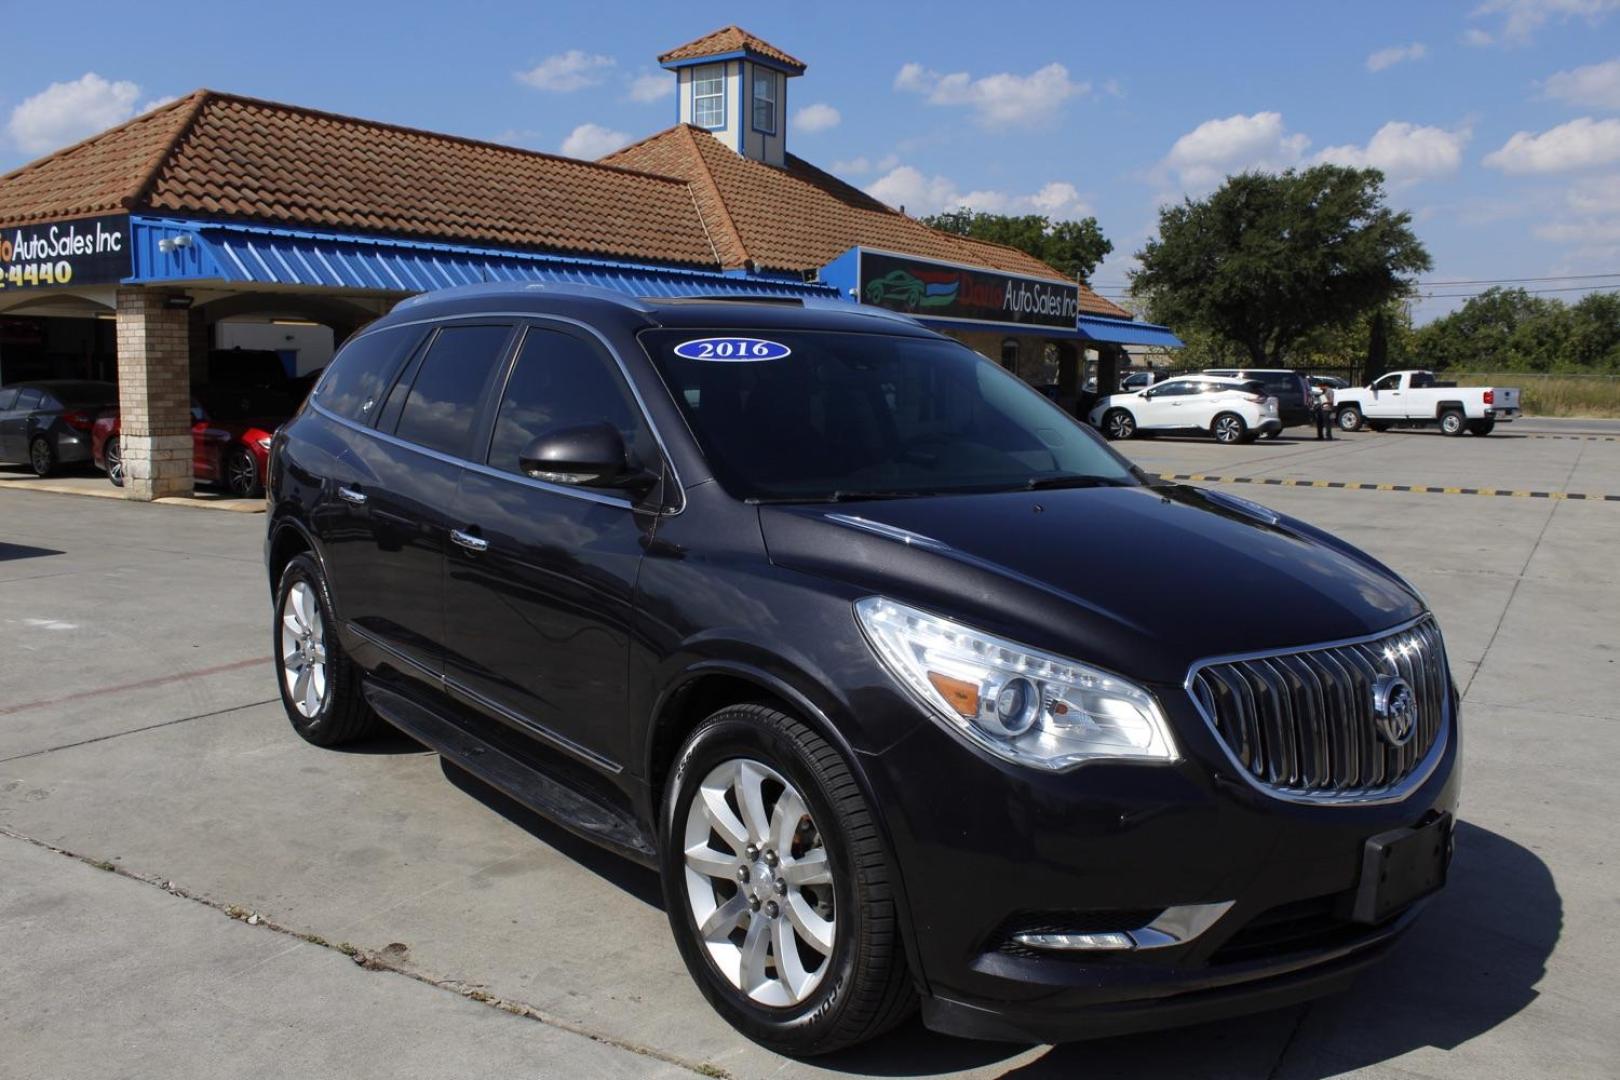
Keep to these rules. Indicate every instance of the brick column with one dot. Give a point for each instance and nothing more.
(154, 394)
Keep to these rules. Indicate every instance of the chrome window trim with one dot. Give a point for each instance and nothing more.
(481, 467)
(1377, 797)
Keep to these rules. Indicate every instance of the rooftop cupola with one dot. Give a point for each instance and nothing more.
(734, 85)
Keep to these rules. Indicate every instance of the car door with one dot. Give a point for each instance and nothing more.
(1386, 402)
(393, 487)
(10, 449)
(18, 423)
(1202, 402)
(1163, 406)
(541, 578)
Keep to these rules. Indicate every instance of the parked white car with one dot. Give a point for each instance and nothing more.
(1231, 410)
(1418, 398)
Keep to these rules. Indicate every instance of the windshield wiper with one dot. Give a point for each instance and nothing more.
(1074, 480)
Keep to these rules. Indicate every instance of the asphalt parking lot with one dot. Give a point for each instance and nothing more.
(189, 890)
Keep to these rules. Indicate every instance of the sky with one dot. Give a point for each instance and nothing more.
(1497, 123)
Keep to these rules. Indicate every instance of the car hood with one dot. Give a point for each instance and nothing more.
(1141, 580)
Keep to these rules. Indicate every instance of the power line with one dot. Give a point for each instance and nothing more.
(1123, 287)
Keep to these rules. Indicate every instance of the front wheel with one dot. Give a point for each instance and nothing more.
(114, 455)
(1119, 424)
(42, 457)
(1229, 428)
(778, 888)
(1453, 422)
(242, 474)
(1350, 418)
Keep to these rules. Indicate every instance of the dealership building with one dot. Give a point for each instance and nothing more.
(148, 253)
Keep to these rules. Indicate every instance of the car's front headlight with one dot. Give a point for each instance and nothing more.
(1019, 703)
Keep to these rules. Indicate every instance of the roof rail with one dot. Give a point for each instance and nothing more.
(728, 298)
(509, 288)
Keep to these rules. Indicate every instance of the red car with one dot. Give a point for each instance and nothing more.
(231, 453)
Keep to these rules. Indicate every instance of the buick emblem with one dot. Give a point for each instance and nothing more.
(1394, 710)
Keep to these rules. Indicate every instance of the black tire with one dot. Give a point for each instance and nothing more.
(113, 454)
(1378, 426)
(241, 470)
(42, 457)
(1481, 428)
(1229, 428)
(1350, 419)
(1453, 422)
(343, 715)
(865, 986)
(1119, 424)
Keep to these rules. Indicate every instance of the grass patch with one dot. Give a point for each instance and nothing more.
(1551, 395)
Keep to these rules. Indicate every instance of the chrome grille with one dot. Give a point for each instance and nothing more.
(1301, 724)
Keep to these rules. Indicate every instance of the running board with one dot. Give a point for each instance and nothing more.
(575, 811)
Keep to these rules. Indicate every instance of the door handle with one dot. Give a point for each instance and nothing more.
(350, 495)
(469, 541)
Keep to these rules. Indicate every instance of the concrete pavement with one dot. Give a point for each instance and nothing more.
(138, 727)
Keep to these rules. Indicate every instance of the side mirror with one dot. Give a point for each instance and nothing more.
(591, 455)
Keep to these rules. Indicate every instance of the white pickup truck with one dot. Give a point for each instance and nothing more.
(1412, 398)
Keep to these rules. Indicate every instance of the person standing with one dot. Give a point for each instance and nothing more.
(1326, 419)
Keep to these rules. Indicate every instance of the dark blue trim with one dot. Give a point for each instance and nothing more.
(1127, 332)
(736, 54)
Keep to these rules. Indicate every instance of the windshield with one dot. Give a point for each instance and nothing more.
(843, 416)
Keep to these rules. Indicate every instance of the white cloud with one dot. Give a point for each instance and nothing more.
(1596, 85)
(920, 194)
(649, 86)
(1595, 195)
(1002, 99)
(1396, 54)
(855, 166)
(65, 112)
(817, 117)
(1578, 144)
(1404, 152)
(567, 71)
(1214, 149)
(1520, 19)
(1581, 232)
(591, 141)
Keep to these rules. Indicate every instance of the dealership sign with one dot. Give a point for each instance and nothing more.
(91, 251)
(947, 291)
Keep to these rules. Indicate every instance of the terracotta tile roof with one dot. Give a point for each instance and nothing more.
(729, 39)
(225, 156)
(801, 218)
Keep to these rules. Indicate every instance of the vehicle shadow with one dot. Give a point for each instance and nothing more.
(1471, 962)
(9, 552)
(637, 881)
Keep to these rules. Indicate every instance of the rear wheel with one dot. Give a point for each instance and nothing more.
(1229, 428)
(778, 888)
(1350, 418)
(1453, 422)
(1376, 426)
(114, 455)
(1119, 424)
(1482, 427)
(320, 685)
(42, 457)
(242, 474)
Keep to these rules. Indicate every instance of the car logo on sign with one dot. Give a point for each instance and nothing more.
(1394, 709)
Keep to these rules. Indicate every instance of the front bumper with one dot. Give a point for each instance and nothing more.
(985, 848)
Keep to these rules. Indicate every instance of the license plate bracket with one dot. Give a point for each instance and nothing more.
(1400, 866)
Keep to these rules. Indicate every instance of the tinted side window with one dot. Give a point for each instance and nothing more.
(28, 400)
(1174, 389)
(442, 408)
(8, 398)
(561, 381)
(356, 379)
(1281, 383)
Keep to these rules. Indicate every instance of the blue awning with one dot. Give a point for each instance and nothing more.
(267, 255)
(1101, 328)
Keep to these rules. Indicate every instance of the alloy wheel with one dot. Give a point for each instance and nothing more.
(242, 473)
(1120, 425)
(303, 650)
(1228, 429)
(759, 884)
(39, 456)
(115, 462)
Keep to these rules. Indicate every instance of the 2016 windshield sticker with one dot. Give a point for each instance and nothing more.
(732, 349)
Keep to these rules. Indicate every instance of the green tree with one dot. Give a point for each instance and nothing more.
(1499, 330)
(1269, 259)
(1073, 247)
